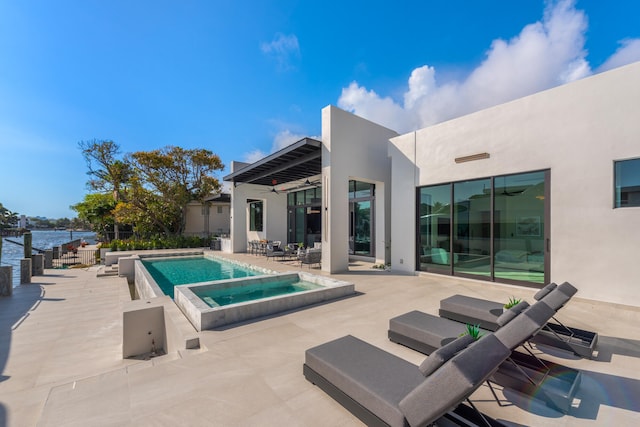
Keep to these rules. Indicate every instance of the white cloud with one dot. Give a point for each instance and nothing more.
(545, 54)
(285, 138)
(254, 156)
(628, 52)
(285, 50)
(281, 140)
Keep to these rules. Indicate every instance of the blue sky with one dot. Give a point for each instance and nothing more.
(246, 78)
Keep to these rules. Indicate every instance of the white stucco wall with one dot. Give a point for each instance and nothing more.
(196, 222)
(352, 148)
(275, 215)
(577, 131)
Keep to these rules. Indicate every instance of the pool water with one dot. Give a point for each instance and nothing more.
(234, 295)
(171, 272)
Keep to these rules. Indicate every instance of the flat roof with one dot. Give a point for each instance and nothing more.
(297, 161)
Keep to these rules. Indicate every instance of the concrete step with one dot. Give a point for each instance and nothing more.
(109, 271)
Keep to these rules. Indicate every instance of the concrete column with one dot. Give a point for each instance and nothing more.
(37, 264)
(48, 258)
(25, 270)
(6, 281)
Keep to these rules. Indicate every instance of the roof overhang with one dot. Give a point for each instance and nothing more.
(220, 198)
(297, 161)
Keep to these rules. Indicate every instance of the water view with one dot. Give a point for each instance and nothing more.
(45, 239)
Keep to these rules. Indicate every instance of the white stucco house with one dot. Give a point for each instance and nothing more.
(210, 218)
(544, 188)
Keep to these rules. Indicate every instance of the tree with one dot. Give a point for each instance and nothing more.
(109, 173)
(165, 181)
(8, 219)
(97, 209)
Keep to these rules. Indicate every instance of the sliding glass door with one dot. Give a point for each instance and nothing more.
(519, 230)
(494, 228)
(472, 228)
(434, 228)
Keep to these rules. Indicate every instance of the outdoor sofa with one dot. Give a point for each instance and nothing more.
(382, 389)
(485, 313)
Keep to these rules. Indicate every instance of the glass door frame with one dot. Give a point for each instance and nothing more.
(449, 270)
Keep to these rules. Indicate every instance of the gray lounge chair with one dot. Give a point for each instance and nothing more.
(383, 389)
(485, 313)
(553, 383)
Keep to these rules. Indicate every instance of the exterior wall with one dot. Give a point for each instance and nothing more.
(352, 148)
(577, 131)
(275, 215)
(219, 223)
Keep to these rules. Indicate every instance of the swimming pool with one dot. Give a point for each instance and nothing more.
(159, 275)
(200, 302)
(174, 271)
(216, 297)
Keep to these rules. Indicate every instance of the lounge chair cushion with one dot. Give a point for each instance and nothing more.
(558, 297)
(374, 378)
(426, 328)
(512, 312)
(455, 380)
(568, 289)
(544, 291)
(524, 326)
(444, 353)
(486, 312)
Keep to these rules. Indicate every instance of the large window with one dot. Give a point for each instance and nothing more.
(627, 183)
(255, 215)
(304, 219)
(492, 227)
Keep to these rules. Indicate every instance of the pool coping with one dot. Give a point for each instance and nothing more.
(204, 317)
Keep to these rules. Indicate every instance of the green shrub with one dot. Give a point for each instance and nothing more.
(512, 302)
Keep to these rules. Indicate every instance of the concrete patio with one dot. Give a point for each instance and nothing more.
(61, 357)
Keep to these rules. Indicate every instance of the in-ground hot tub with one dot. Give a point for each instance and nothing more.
(210, 305)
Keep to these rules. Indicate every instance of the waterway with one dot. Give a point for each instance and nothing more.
(41, 239)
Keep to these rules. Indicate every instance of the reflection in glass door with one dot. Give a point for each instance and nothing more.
(304, 219)
(519, 227)
(495, 228)
(434, 235)
(361, 221)
(472, 228)
(360, 230)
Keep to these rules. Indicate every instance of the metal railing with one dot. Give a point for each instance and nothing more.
(79, 256)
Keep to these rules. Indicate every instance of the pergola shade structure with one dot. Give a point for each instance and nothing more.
(298, 161)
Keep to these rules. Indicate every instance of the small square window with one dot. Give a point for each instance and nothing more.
(627, 183)
(219, 209)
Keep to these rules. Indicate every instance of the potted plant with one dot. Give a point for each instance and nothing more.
(513, 301)
(473, 331)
